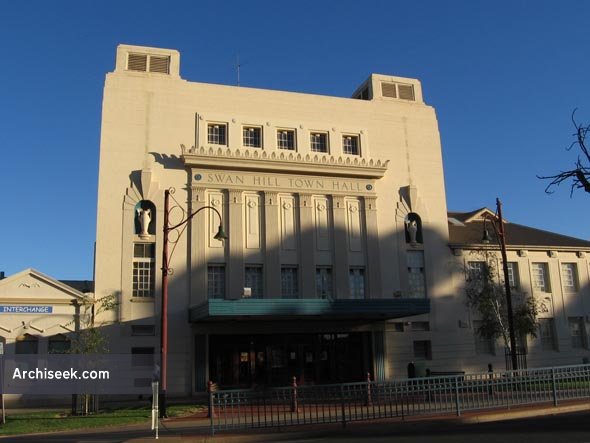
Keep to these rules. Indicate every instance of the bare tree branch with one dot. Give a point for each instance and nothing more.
(580, 175)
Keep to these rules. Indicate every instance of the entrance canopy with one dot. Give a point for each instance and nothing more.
(291, 309)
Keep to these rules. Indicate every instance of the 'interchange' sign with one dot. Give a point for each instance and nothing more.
(4, 309)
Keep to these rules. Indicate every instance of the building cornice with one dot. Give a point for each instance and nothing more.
(284, 162)
(517, 248)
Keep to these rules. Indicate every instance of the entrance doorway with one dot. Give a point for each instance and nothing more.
(273, 360)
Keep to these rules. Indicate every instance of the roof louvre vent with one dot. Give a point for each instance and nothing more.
(159, 64)
(406, 92)
(137, 62)
(388, 90)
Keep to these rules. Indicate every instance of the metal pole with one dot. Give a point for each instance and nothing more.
(507, 286)
(164, 311)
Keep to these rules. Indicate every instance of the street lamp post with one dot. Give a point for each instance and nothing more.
(166, 270)
(501, 235)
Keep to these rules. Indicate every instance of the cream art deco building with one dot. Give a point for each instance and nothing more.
(338, 260)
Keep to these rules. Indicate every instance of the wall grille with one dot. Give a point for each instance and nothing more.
(388, 90)
(137, 62)
(406, 92)
(396, 90)
(160, 64)
(148, 63)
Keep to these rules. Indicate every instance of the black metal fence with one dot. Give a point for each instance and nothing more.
(343, 403)
(520, 358)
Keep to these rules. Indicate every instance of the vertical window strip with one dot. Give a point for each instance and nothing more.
(216, 282)
(323, 276)
(144, 261)
(253, 275)
(357, 283)
(289, 282)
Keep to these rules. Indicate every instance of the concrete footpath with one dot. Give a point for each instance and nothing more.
(194, 429)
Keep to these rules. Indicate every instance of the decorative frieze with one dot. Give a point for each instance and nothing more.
(286, 162)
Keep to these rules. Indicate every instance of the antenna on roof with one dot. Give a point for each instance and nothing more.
(238, 67)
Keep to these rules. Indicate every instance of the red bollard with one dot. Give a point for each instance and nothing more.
(369, 400)
(294, 405)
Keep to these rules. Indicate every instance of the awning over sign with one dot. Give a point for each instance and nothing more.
(291, 309)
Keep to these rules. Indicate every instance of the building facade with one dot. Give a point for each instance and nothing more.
(338, 261)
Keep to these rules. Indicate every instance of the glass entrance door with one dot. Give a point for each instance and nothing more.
(273, 360)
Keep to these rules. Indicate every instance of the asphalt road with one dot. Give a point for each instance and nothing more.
(572, 427)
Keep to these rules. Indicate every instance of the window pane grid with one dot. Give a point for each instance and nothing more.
(416, 281)
(568, 275)
(251, 137)
(540, 282)
(577, 332)
(357, 283)
(323, 279)
(319, 142)
(253, 276)
(350, 144)
(483, 345)
(513, 275)
(289, 286)
(143, 279)
(547, 334)
(216, 282)
(286, 139)
(216, 134)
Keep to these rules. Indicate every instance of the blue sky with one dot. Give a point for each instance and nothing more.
(503, 76)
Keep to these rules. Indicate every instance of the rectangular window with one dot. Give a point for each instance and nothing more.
(475, 270)
(547, 334)
(216, 281)
(146, 330)
(252, 136)
(144, 263)
(58, 344)
(254, 281)
(289, 282)
(350, 144)
(540, 277)
(142, 357)
(217, 134)
(323, 282)
(420, 326)
(398, 326)
(578, 332)
(569, 277)
(513, 278)
(286, 139)
(319, 141)
(422, 350)
(483, 345)
(357, 283)
(26, 344)
(417, 283)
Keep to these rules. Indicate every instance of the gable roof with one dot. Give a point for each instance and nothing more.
(471, 233)
(33, 279)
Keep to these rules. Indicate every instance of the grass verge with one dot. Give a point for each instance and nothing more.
(60, 420)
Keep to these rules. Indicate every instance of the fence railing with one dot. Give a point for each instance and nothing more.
(343, 403)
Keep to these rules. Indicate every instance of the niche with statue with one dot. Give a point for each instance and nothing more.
(413, 228)
(145, 219)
